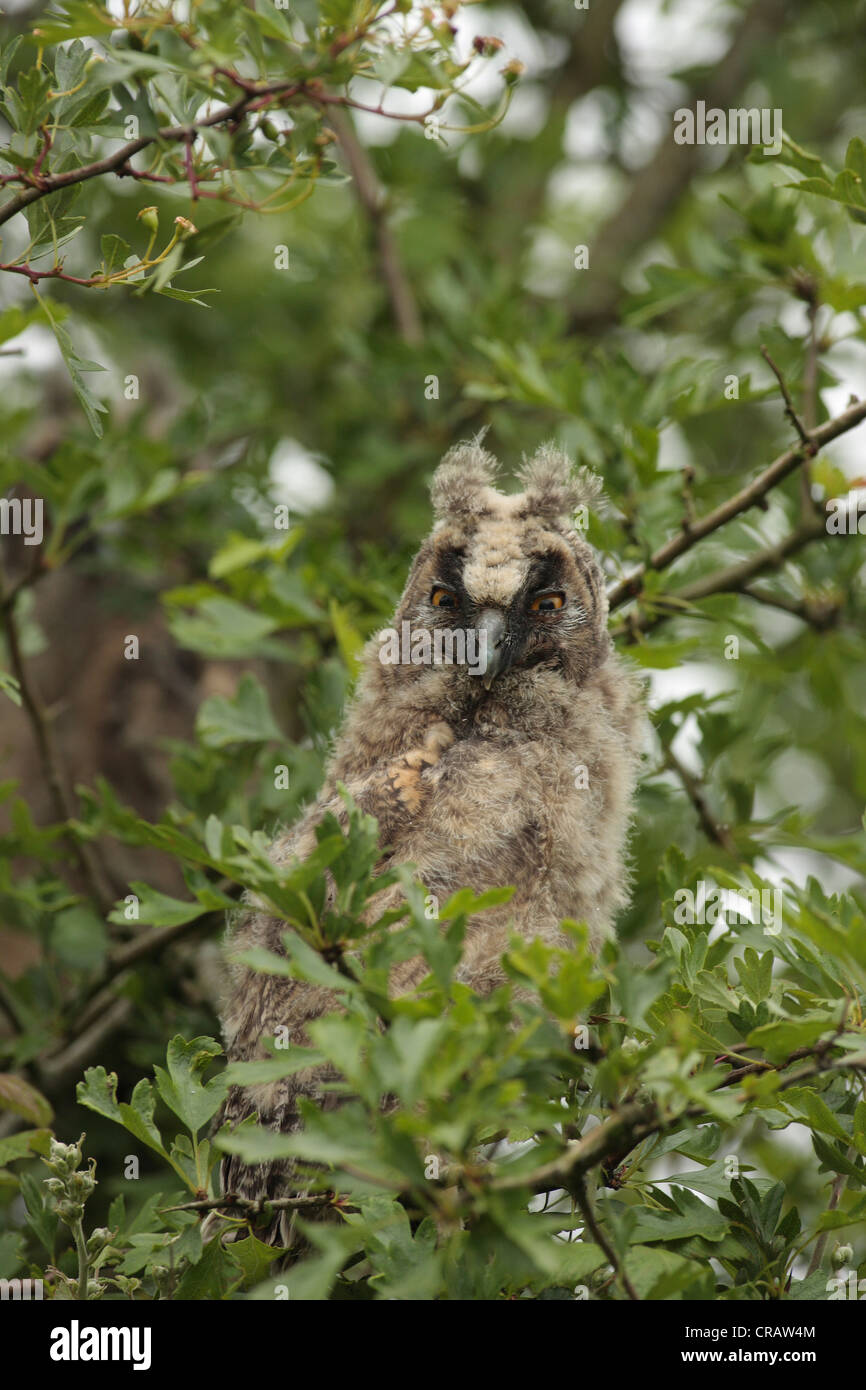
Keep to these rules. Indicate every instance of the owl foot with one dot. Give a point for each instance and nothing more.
(404, 775)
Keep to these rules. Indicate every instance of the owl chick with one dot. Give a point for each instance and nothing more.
(515, 770)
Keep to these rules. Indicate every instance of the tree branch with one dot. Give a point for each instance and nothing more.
(113, 163)
(713, 829)
(657, 187)
(258, 1206)
(585, 1204)
(372, 200)
(57, 1070)
(252, 98)
(790, 411)
(635, 1121)
(732, 579)
(742, 501)
(50, 759)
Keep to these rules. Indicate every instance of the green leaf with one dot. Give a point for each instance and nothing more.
(816, 1111)
(76, 366)
(778, 1040)
(115, 253)
(79, 939)
(19, 1096)
(215, 1276)
(254, 1258)
(349, 639)
(262, 1072)
(156, 909)
(98, 1091)
(220, 627)
(24, 1144)
(244, 718)
(181, 1087)
(660, 1274)
(15, 320)
(10, 687)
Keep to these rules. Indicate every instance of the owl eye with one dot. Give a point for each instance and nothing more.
(547, 603)
(443, 598)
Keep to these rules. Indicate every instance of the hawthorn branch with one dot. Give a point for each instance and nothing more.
(259, 1206)
(657, 188)
(713, 829)
(620, 1132)
(790, 410)
(598, 1235)
(114, 163)
(749, 496)
(372, 200)
(49, 756)
(731, 580)
(635, 1121)
(253, 98)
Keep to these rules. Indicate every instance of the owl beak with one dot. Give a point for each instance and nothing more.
(493, 636)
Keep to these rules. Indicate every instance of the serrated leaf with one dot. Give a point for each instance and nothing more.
(243, 718)
(181, 1087)
(19, 1096)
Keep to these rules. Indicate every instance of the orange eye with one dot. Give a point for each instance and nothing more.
(443, 598)
(547, 603)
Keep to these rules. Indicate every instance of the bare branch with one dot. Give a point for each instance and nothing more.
(57, 1070)
(748, 497)
(260, 1205)
(49, 756)
(372, 200)
(658, 186)
(714, 830)
(806, 440)
(598, 1235)
(731, 580)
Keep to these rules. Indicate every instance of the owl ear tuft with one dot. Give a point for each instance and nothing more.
(553, 487)
(465, 471)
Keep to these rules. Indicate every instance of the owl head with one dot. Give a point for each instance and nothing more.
(511, 567)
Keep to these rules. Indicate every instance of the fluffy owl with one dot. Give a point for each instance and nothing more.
(520, 773)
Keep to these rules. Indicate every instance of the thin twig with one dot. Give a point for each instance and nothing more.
(372, 200)
(731, 580)
(57, 1070)
(257, 1206)
(790, 411)
(742, 501)
(49, 756)
(585, 1204)
(693, 787)
(835, 1195)
(820, 612)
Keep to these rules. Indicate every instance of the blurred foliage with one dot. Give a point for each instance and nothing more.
(362, 332)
